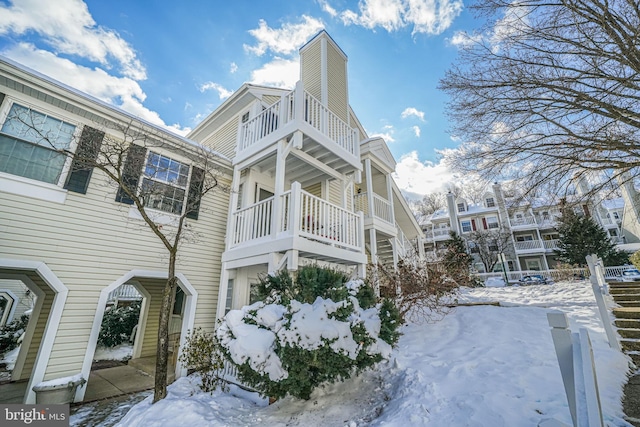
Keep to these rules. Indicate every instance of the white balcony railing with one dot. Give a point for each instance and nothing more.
(303, 214)
(381, 206)
(299, 105)
(525, 220)
(550, 244)
(528, 245)
(439, 232)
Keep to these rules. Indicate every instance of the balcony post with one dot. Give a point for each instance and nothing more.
(299, 106)
(294, 214)
(233, 203)
(277, 210)
(390, 197)
(367, 174)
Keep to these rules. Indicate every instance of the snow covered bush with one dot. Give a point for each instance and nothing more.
(118, 323)
(11, 333)
(317, 327)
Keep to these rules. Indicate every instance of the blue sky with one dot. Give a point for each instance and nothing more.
(172, 62)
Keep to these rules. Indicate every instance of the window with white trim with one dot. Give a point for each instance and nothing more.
(461, 207)
(466, 226)
(164, 183)
(31, 144)
(490, 201)
(492, 222)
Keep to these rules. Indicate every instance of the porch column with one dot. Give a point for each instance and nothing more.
(367, 174)
(278, 210)
(222, 291)
(235, 188)
(387, 178)
(373, 246)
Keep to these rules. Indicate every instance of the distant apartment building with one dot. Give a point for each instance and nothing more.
(531, 226)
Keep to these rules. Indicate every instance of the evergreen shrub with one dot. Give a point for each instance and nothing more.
(118, 323)
(318, 326)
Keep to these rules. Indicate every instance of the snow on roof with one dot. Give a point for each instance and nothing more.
(617, 203)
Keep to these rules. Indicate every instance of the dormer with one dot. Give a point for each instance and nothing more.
(489, 200)
(461, 206)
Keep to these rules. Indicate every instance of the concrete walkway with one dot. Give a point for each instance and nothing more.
(116, 381)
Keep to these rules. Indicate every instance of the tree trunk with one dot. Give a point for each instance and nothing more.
(162, 349)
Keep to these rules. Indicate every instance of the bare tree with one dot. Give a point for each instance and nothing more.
(422, 291)
(165, 192)
(429, 204)
(545, 90)
(488, 245)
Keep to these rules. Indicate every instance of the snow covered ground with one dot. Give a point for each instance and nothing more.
(479, 366)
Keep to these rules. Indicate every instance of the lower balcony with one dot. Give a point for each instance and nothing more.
(297, 220)
(536, 246)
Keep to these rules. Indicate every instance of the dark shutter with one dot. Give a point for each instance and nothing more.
(84, 159)
(195, 193)
(131, 173)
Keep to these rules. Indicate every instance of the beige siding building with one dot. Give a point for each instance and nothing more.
(299, 182)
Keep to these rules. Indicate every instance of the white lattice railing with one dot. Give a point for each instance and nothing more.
(299, 105)
(253, 222)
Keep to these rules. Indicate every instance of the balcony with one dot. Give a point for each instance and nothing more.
(379, 215)
(326, 135)
(550, 245)
(300, 221)
(526, 221)
(529, 246)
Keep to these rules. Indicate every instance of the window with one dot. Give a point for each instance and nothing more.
(490, 202)
(525, 238)
(245, 117)
(613, 232)
(616, 215)
(466, 226)
(228, 305)
(461, 207)
(29, 144)
(164, 183)
(492, 222)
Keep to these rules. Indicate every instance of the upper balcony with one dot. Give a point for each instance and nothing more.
(325, 136)
(297, 220)
(536, 246)
(521, 222)
(379, 215)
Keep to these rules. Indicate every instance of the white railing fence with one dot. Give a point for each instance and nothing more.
(556, 275)
(124, 292)
(525, 220)
(528, 245)
(381, 206)
(601, 291)
(575, 358)
(252, 222)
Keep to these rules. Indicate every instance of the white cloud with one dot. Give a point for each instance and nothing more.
(410, 111)
(283, 73)
(416, 178)
(68, 27)
(222, 92)
(462, 39)
(426, 16)
(285, 40)
(233, 67)
(386, 134)
(416, 131)
(324, 4)
(123, 92)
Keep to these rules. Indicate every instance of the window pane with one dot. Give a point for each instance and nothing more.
(30, 161)
(38, 128)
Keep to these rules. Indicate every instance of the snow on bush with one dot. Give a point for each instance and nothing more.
(302, 335)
